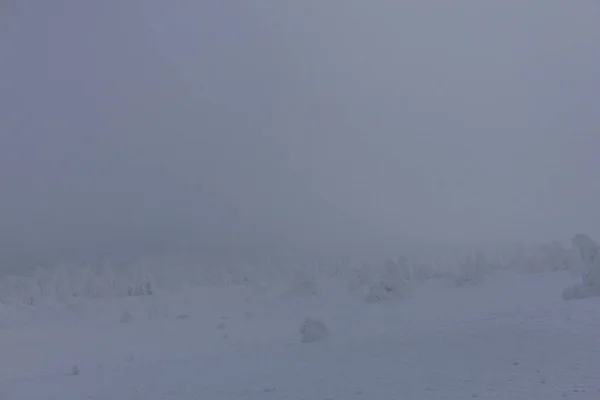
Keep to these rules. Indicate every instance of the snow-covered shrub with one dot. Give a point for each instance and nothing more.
(522, 259)
(313, 330)
(392, 286)
(361, 278)
(21, 290)
(574, 262)
(155, 310)
(395, 281)
(378, 292)
(555, 257)
(535, 259)
(546, 258)
(62, 286)
(579, 291)
(471, 271)
(402, 269)
(304, 285)
(237, 274)
(89, 280)
(8, 295)
(589, 255)
(46, 283)
(421, 273)
(393, 276)
(141, 289)
(141, 283)
(99, 284)
(126, 317)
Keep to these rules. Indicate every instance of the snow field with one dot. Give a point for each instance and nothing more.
(510, 337)
(398, 330)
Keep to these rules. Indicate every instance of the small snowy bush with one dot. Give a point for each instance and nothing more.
(579, 291)
(421, 273)
(313, 330)
(304, 285)
(126, 317)
(143, 288)
(359, 279)
(471, 272)
(555, 257)
(378, 292)
(392, 286)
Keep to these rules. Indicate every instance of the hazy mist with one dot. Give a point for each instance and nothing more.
(304, 125)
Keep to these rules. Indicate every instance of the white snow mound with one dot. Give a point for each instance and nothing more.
(313, 330)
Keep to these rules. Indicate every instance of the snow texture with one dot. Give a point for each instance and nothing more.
(510, 336)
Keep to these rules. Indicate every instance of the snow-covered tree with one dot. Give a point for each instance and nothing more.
(590, 257)
(588, 251)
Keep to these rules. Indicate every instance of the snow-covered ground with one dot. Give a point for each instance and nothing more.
(510, 337)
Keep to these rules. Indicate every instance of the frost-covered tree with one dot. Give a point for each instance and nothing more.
(588, 251)
(590, 257)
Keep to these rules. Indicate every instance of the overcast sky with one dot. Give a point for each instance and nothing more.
(312, 124)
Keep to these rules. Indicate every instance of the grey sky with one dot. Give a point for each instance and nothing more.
(310, 124)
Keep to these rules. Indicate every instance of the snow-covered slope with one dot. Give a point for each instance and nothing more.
(510, 337)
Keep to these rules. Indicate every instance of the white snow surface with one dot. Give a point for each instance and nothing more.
(510, 337)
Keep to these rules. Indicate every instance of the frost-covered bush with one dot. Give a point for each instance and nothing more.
(361, 278)
(20, 290)
(422, 273)
(404, 269)
(588, 252)
(313, 330)
(555, 257)
(304, 285)
(393, 285)
(471, 271)
(579, 291)
(378, 292)
(239, 274)
(126, 317)
(394, 279)
(535, 259)
(144, 288)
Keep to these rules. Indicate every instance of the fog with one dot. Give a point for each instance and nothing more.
(305, 126)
